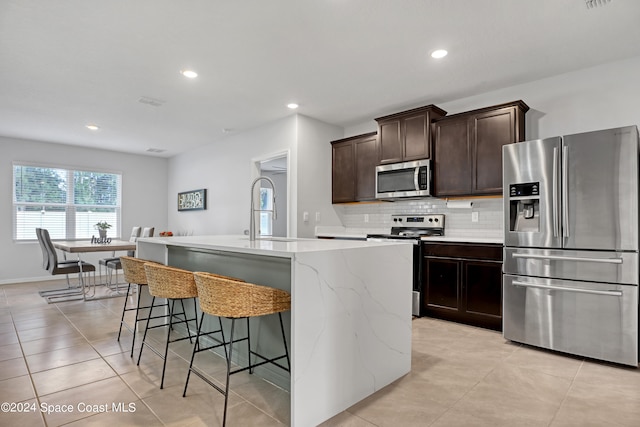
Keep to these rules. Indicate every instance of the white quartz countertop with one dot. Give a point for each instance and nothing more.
(275, 246)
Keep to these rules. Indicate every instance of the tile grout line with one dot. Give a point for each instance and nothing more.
(26, 363)
(564, 398)
(140, 398)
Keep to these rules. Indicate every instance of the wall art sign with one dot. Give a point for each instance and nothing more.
(192, 200)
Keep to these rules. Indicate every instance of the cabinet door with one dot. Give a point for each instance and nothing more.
(452, 166)
(490, 131)
(416, 137)
(343, 172)
(366, 159)
(482, 289)
(442, 278)
(390, 141)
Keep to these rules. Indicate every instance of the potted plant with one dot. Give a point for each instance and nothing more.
(102, 228)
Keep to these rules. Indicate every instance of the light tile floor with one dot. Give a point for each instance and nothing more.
(64, 357)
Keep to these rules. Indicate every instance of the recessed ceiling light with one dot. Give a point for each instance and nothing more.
(189, 74)
(292, 106)
(92, 127)
(440, 53)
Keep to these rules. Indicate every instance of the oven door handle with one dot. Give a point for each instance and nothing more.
(563, 288)
(570, 258)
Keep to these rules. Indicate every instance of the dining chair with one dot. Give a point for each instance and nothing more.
(65, 267)
(135, 233)
(115, 264)
(45, 265)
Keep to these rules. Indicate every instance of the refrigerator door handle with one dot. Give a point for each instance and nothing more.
(570, 258)
(565, 191)
(562, 288)
(555, 202)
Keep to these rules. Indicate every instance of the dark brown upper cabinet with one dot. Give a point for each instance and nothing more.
(407, 136)
(354, 163)
(468, 149)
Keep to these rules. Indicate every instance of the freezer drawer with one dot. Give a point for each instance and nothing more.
(595, 320)
(592, 266)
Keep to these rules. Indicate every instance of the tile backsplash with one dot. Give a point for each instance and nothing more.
(458, 221)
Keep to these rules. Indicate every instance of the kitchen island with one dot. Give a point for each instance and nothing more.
(349, 329)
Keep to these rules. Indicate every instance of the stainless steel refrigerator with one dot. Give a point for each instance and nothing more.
(570, 279)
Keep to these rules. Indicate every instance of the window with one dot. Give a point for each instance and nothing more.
(66, 202)
(266, 218)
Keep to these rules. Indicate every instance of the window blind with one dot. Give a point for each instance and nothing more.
(66, 202)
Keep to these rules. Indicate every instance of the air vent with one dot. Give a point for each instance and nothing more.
(155, 150)
(151, 101)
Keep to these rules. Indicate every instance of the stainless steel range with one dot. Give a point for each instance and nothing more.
(411, 228)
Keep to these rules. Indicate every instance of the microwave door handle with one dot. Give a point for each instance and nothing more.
(416, 182)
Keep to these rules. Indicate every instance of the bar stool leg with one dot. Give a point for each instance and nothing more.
(249, 347)
(284, 339)
(146, 328)
(135, 325)
(124, 310)
(166, 346)
(196, 348)
(226, 388)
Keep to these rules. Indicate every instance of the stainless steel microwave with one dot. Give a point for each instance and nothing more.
(400, 180)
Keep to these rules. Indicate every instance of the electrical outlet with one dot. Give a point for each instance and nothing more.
(474, 216)
(366, 217)
(305, 216)
(317, 216)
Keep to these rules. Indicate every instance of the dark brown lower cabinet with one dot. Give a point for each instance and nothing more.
(463, 283)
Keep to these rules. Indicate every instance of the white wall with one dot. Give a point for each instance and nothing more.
(314, 174)
(226, 169)
(600, 97)
(144, 200)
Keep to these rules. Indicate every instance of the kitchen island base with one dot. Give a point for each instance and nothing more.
(349, 327)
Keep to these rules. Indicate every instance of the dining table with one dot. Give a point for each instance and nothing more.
(79, 247)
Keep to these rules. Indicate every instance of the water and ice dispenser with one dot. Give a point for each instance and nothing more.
(524, 207)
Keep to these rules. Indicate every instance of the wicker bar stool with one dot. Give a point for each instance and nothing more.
(134, 274)
(234, 300)
(174, 284)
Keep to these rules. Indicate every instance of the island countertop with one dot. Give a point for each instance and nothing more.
(270, 246)
(349, 326)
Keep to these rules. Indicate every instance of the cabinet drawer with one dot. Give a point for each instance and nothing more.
(488, 251)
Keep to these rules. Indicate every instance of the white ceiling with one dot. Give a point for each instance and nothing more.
(66, 63)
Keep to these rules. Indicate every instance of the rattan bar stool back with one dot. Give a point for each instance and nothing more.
(234, 300)
(173, 284)
(134, 274)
